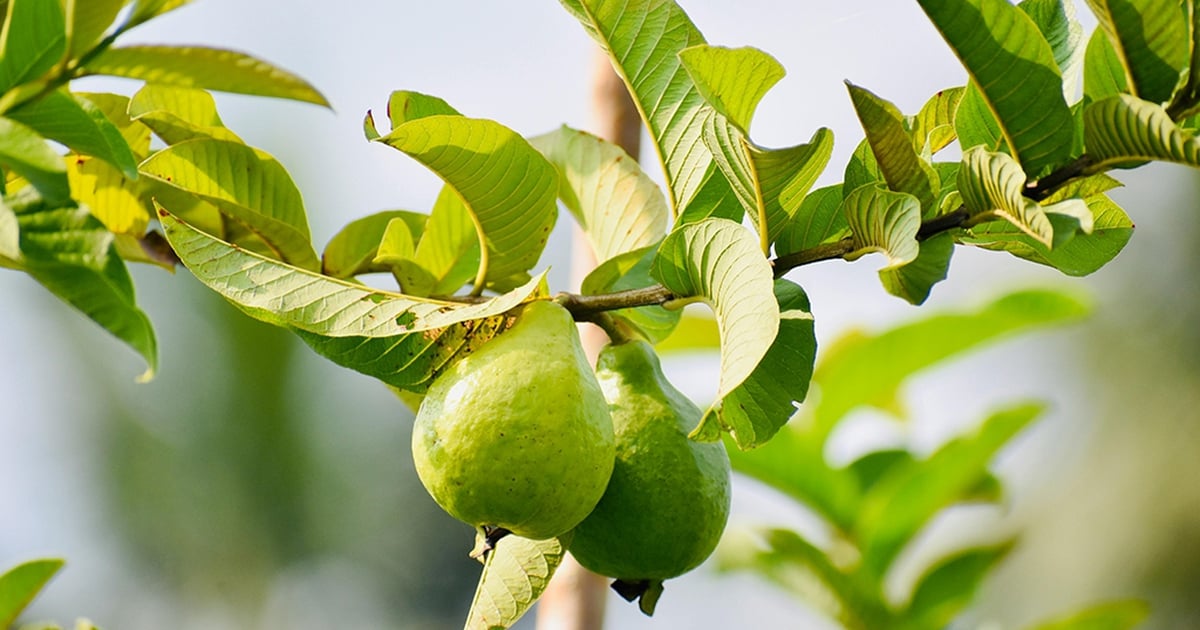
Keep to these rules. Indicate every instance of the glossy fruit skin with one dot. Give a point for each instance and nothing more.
(517, 435)
(668, 499)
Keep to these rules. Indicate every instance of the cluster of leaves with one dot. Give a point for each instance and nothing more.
(21, 584)
(876, 506)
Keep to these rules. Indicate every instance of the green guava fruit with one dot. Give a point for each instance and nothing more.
(517, 435)
(668, 499)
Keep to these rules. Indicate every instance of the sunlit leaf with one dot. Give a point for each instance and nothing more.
(693, 332)
(1150, 38)
(75, 122)
(25, 152)
(10, 236)
(1103, 74)
(1056, 20)
(913, 281)
(1118, 615)
(861, 169)
(883, 221)
(352, 250)
(1124, 128)
(1015, 70)
(144, 10)
(631, 270)
(514, 575)
(992, 185)
(205, 68)
(618, 206)
(732, 80)
(108, 194)
(948, 586)
(933, 127)
(89, 20)
(892, 146)
(34, 38)
(714, 200)
(975, 124)
(448, 251)
(176, 114)
(786, 175)
(819, 220)
(719, 262)
(20, 584)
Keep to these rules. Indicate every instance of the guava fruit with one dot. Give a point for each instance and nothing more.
(668, 499)
(517, 435)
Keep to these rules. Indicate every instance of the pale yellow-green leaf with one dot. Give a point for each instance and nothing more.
(1124, 128)
(515, 574)
(883, 221)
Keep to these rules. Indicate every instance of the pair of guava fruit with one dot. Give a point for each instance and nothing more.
(522, 436)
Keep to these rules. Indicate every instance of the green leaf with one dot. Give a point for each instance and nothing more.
(732, 80)
(506, 185)
(205, 68)
(77, 123)
(914, 281)
(88, 20)
(1123, 128)
(108, 194)
(1080, 256)
(33, 39)
(398, 244)
(766, 400)
(514, 576)
(1151, 40)
(948, 586)
(144, 10)
(448, 251)
(975, 124)
(883, 221)
(402, 340)
(352, 250)
(1014, 68)
(786, 175)
(900, 504)
(405, 105)
(1103, 74)
(177, 114)
(715, 200)
(1056, 20)
(819, 220)
(10, 236)
(893, 149)
(26, 153)
(247, 185)
(643, 38)
(933, 127)
(631, 270)
(693, 332)
(71, 253)
(719, 262)
(116, 110)
(861, 169)
(863, 369)
(992, 186)
(1117, 615)
(20, 584)
(617, 205)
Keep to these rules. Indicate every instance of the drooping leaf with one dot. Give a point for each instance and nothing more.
(506, 184)
(1103, 74)
(351, 251)
(71, 253)
(1056, 20)
(514, 576)
(1150, 38)
(883, 221)
(866, 369)
(786, 175)
(33, 39)
(913, 282)
(899, 505)
(20, 584)
(643, 38)
(89, 20)
(618, 206)
(732, 80)
(176, 114)
(75, 122)
(1080, 256)
(248, 186)
(892, 146)
(766, 400)
(1123, 128)
(1015, 70)
(25, 152)
(949, 585)
(819, 220)
(631, 270)
(1117, 615)
(719, 262)
(204, 68)
(933, 126)
(992, 186)
(402, 340)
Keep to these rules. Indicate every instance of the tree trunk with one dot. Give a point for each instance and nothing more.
(574, 600)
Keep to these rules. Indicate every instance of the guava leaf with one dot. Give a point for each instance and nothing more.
(643, 38)
(20, 584)
(1056, 20)
(719, 262)
(933, 126)
(892, 145)
(861, 169)
(448, 252)
(631, 270)
(402, 340)
(1150, 38)
(108, 194)
(25, 152)
(992, 185)
(693, 332)
(861, 369)
(144, 10)
(899, 505)
(818, 220)
(714, 200)
(406, 105)
(33, 39)
(766, 400)
(89, 21)
(74, 121)
(1123, 128)
(1118, 615)
(205, 68)
(71, 253)
(507, 186)
(947, 587)
(1015, 70)
(10, 236)
(352, 250)
(514, 575)
(176, 114)
(732, 80)
(976, 125)
(883, 221)
(914, 281)
(618, 206)
(1103, 74)
(247, 185)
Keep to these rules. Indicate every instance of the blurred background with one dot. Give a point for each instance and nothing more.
(254, 485)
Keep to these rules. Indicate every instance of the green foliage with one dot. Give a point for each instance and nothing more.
(514, 575)
(21, 584)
